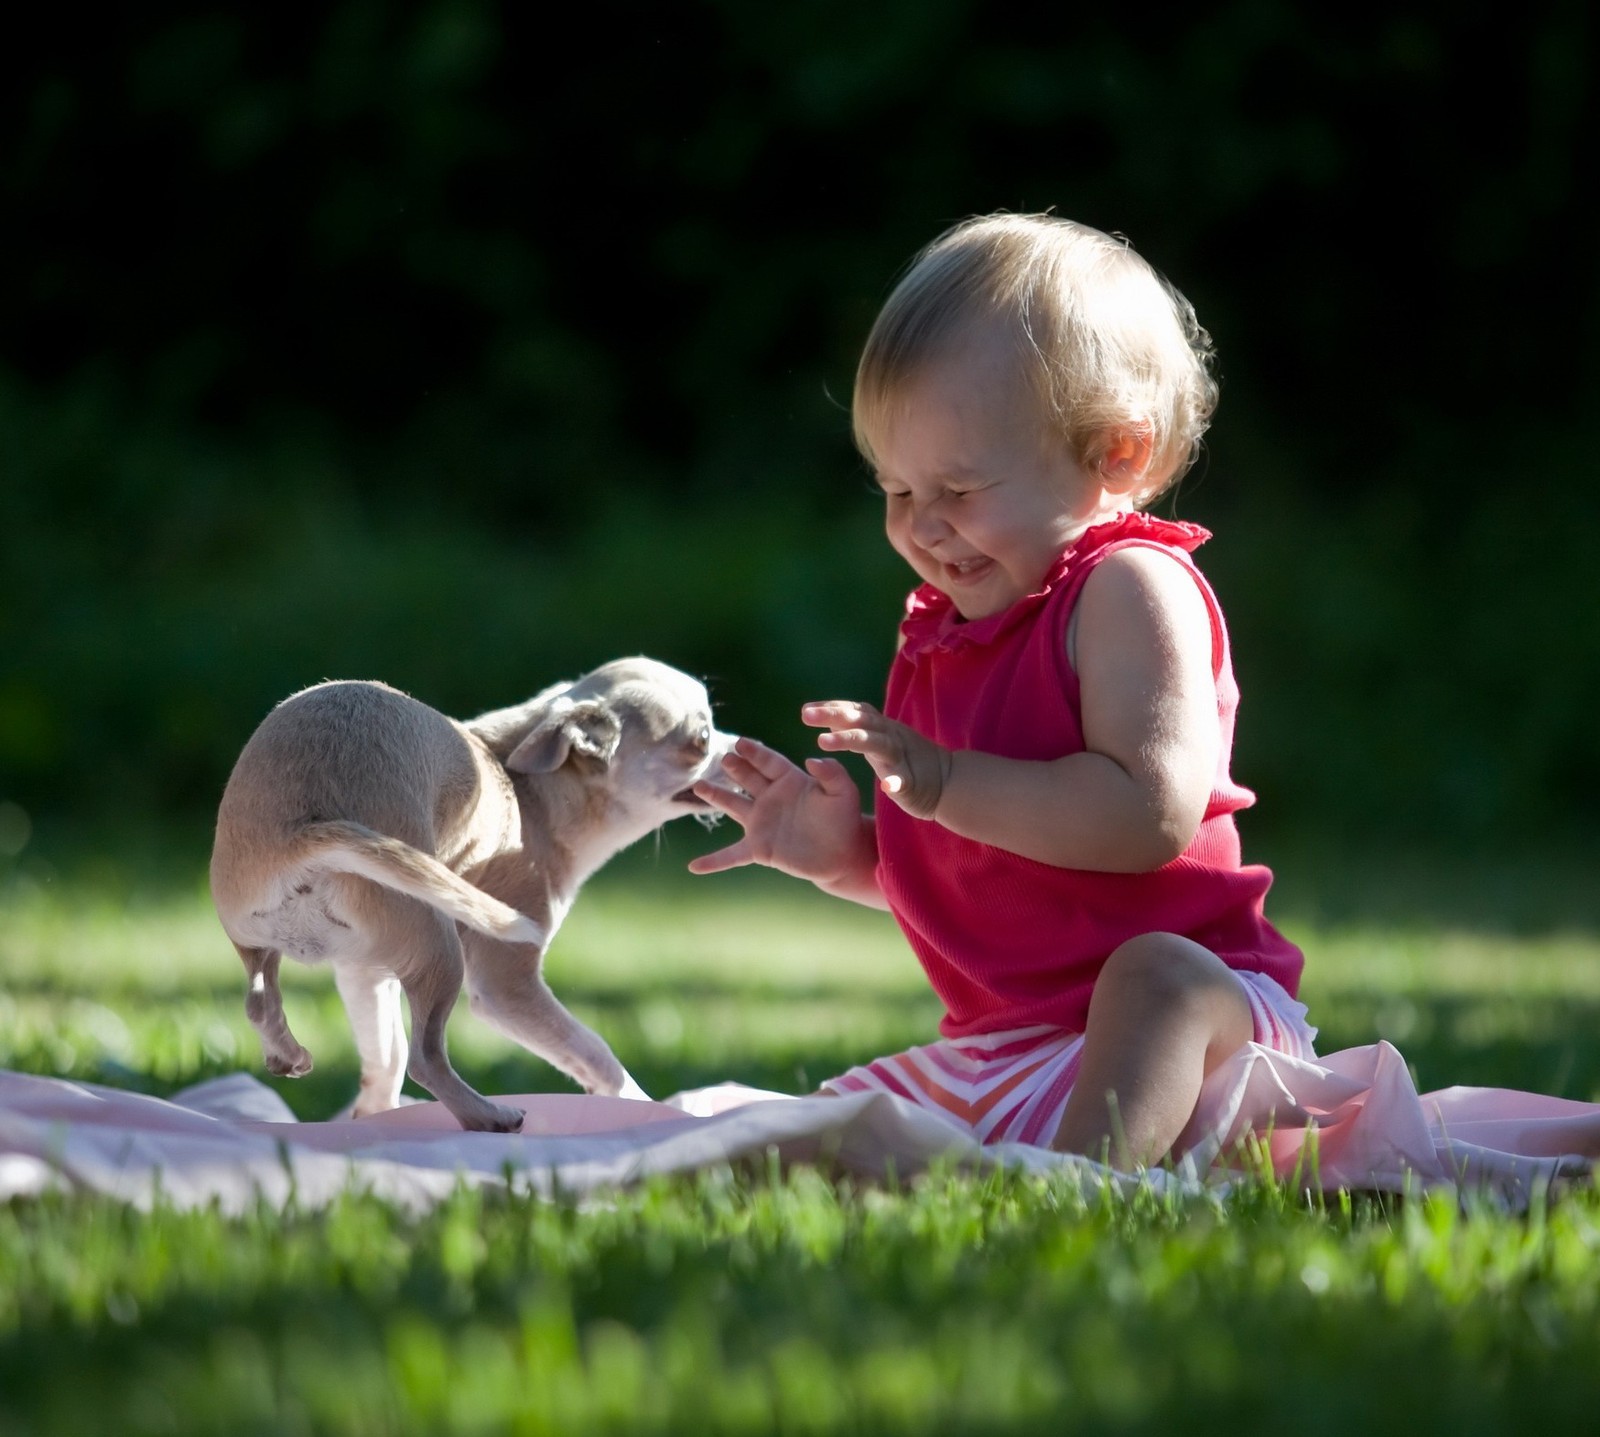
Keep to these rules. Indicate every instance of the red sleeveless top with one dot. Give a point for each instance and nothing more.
(1006, 941)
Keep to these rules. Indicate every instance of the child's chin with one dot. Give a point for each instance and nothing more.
(982, 601)
(971, 608)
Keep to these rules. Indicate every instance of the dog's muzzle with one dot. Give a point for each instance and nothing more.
(713, 775)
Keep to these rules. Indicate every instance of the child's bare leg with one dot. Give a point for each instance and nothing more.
(1165, 1012)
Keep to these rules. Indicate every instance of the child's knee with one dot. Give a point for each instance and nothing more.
(1163, 973)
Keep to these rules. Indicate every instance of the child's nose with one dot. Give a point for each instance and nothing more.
(928, 524)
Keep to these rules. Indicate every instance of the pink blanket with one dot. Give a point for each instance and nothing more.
(1350, 1120)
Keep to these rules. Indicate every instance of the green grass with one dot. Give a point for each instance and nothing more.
(759, 1301)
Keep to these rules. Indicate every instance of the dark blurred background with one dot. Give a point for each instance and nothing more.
(467, 344)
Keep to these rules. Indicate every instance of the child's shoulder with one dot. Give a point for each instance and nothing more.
(1138, 558)
(1142, 577)
(1143, 595)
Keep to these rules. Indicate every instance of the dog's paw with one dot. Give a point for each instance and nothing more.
(289, 1065)
(503, 1119)
(494, 1119)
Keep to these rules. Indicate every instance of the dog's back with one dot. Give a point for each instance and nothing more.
(354, 778)
(360, 751)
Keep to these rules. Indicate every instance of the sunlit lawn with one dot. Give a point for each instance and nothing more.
(765, 1302)
(1479, 975)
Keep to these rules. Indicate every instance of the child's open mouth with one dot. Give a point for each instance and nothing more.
(968, 570)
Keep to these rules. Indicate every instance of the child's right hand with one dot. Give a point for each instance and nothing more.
(803, 821)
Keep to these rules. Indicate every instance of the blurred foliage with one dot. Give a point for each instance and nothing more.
(438, 343)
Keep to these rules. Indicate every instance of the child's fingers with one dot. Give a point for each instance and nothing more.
(832, 777)
(736, 805)
(744, 773)
(879, 749)
(836, 712)
(881, 741)
(735, 855)
(753, 759)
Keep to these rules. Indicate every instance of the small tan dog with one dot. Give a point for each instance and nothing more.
(364, 829)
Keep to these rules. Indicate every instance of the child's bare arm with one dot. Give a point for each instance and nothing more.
(1135, 798)
(803, 821)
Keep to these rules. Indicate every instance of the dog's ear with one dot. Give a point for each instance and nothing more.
(588, 729)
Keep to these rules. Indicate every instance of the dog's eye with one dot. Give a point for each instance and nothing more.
(700, 742)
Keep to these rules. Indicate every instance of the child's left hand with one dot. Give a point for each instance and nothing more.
(911, 769)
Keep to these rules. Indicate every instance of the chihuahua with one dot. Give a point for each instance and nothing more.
(364, 829)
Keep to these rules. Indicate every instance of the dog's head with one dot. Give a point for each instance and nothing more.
(638, 729)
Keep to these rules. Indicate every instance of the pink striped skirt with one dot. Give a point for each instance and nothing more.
(1013, 1086)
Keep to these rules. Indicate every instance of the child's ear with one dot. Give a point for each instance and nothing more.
(1125, 459)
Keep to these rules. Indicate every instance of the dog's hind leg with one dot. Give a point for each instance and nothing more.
(263, 1006)
(430, 974)
(372, 1003)
(508, 993)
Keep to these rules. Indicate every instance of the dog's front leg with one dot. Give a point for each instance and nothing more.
(263, 1006)
(372, 1003)
(508, 992)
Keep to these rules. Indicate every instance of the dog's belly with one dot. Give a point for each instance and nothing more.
(303, 923)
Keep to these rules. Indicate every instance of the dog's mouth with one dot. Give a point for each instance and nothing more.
(699, 810)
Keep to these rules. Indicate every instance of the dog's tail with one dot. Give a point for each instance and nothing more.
(346, 847)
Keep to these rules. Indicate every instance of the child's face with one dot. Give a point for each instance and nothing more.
(980, 497)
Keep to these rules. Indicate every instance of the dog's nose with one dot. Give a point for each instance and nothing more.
(721, 745)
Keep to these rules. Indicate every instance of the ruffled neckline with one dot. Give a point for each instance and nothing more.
(933, 623)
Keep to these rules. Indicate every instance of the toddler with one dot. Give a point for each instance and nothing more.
(1058, 841)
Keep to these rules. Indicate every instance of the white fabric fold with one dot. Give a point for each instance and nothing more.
(1349, 1120)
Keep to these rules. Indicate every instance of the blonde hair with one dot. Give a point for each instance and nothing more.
(1107, 344)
